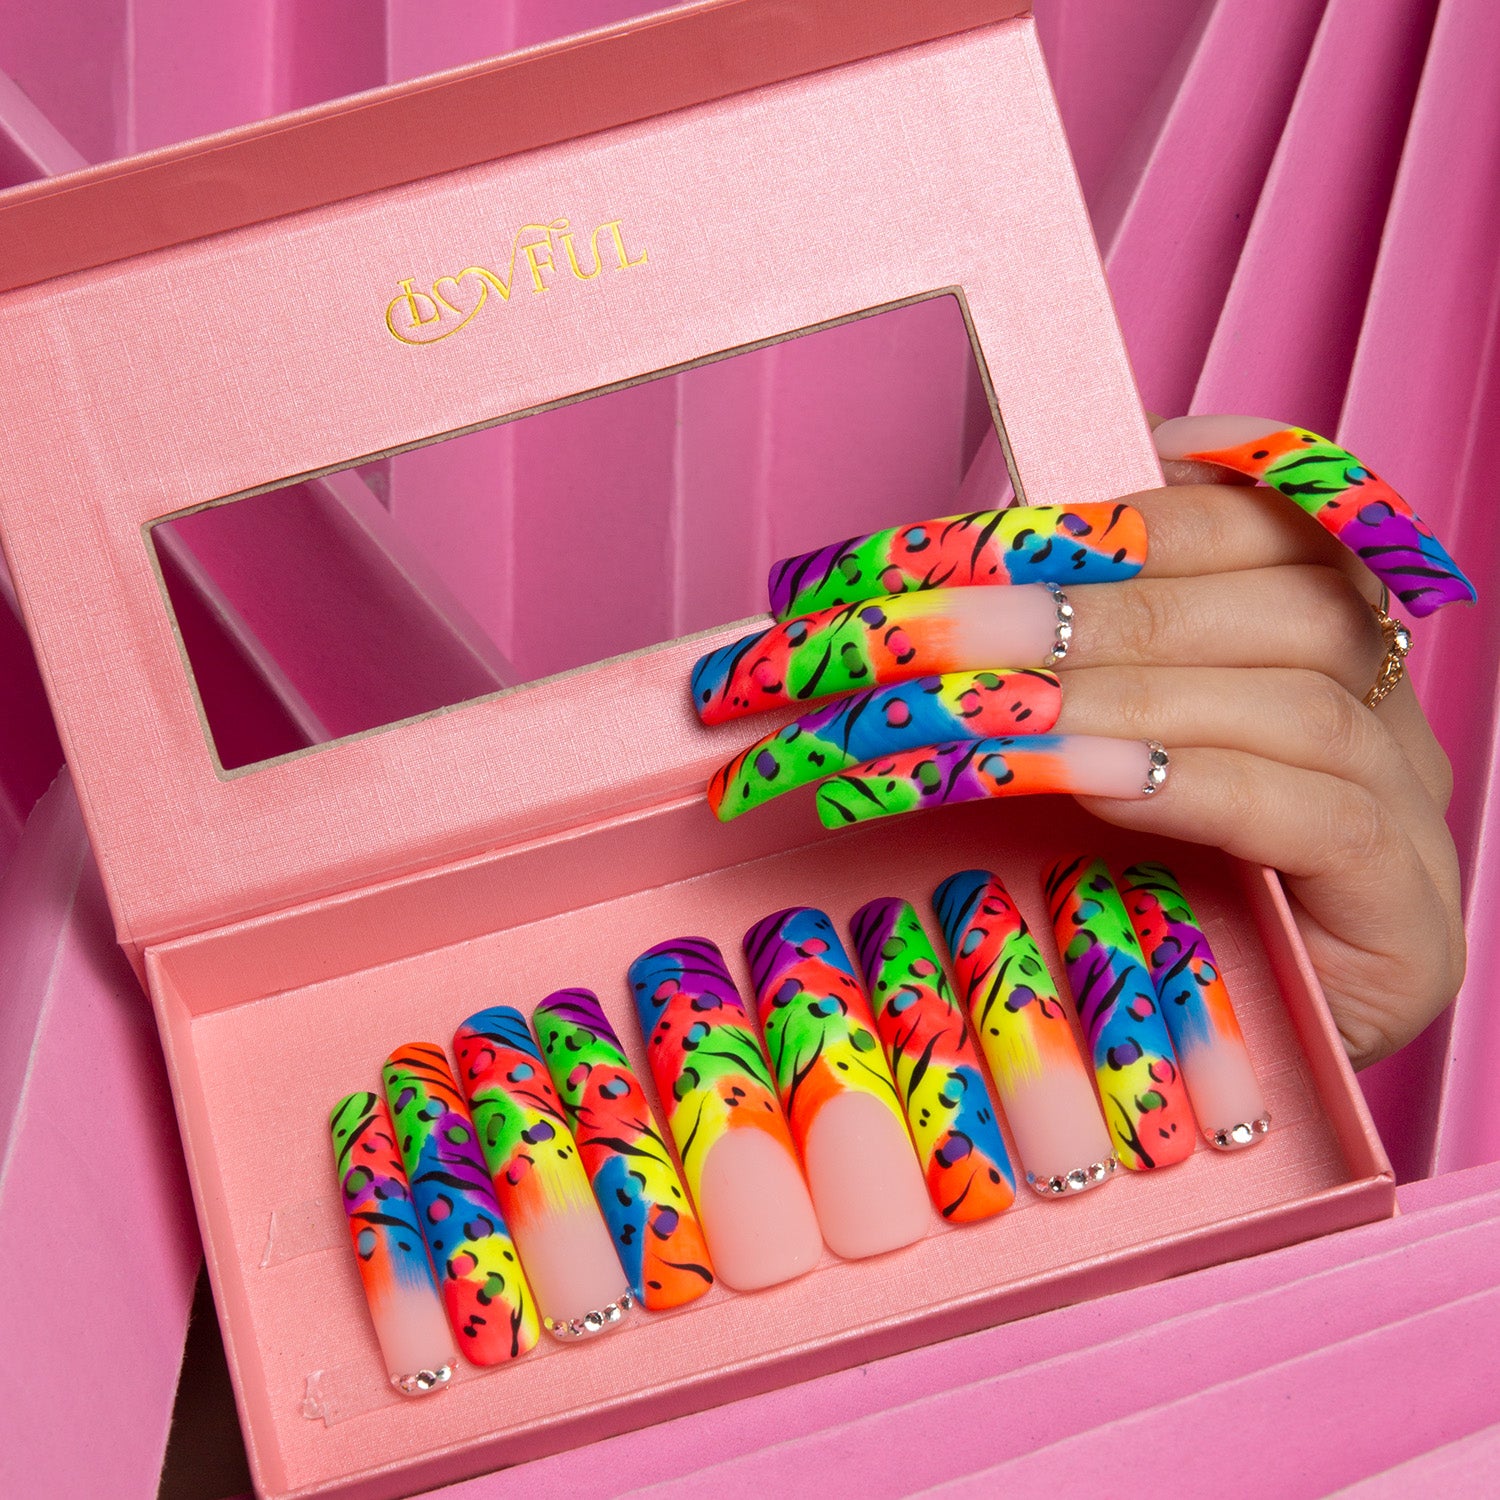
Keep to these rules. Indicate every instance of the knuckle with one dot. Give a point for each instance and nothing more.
(1360, 831)
(1339, 613)
(1327, 715)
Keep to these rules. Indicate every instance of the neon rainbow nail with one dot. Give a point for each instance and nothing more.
(539, 1180)
(1096, 542)
(489, 1303)
(402, 1292)
(656, 1231)
(874, 644)
(1345, 497)
(1227, 1100)
(1026, 1034)
(883, 721)
(736, 1149)
(1145, 1101)
(976, 770)
(931, 1052)
(836, 1086)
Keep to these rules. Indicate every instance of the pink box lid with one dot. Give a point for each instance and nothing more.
(212, 368)
(537, 97)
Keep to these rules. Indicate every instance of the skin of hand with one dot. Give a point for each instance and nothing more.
(1246, 646)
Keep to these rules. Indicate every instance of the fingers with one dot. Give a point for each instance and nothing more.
(1300, 616)
(1385, 937)
(1291, 715)
(1222, 528)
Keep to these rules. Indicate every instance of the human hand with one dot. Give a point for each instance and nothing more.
(1246, 645)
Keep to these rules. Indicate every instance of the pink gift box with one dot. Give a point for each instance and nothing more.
(288, 936)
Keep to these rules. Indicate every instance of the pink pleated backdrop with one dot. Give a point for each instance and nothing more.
(1299, 206)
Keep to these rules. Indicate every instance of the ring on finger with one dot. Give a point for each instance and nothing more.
(1397, 639)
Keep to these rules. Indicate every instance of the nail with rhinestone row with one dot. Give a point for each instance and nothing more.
(1098, 542)
(402, 1293)
(883, 721)
(656, 1231)
(880, 642)
(490, 1305)
(1338, 491)
(1145, 1101)
(976, 770)
(1026, 1034)
(539, 1180)
(1227, 1100)
(937, 1070)
(836, 1087)
(737, 1152)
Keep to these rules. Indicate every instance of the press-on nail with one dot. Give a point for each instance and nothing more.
(1145, 1102)
(835, 1085)
(1026, 1034)
(737, 1152)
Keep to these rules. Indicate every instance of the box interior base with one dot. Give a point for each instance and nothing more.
(268, 1023)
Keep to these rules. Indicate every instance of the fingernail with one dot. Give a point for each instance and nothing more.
(962, 705)
(736, 1150)
(539, 1180)
(1145, 1103)
(931, 1052)
(1334, 487)
(1227, 1100)
(490, 1306)
(883, 641)
(656, 1231)
(402, 1293)
(1098, 542)
(1026, 1035)
(972, 770)
(834, 1084)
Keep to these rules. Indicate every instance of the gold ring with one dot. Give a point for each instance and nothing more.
(1397, 639)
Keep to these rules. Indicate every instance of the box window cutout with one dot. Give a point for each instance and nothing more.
(409, 583)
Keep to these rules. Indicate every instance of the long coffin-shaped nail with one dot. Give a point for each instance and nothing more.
(906, 716)
(931, 1052)
(1227, 1100)
(859, 646)
(972, 770)
(1335, 488)
(539, 1180)
(1026, 1035)
(489, 1303)
(736, 1149)
(1097, 542)
(1145, 1102)
(836, 1087)
(655, 1228)
(405, 1307)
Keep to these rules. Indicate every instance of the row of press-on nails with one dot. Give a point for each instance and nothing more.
(817, 1148)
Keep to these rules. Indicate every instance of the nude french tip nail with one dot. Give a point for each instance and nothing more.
(931, 1052)
(834, 1082)
(883, 721)
(1026, 1035)
(979, 770)
(1145, 1102)
(654, 1225)
(490, 1306)
(540, 1184)
(1095, 542)
(733, 1140)
(1226, 1097)
(1344, 496)
(880, 642)
(400, 1289)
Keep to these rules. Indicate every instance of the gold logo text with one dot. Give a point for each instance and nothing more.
(542, 257)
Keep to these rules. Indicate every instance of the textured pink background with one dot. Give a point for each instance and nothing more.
(1182, 114)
